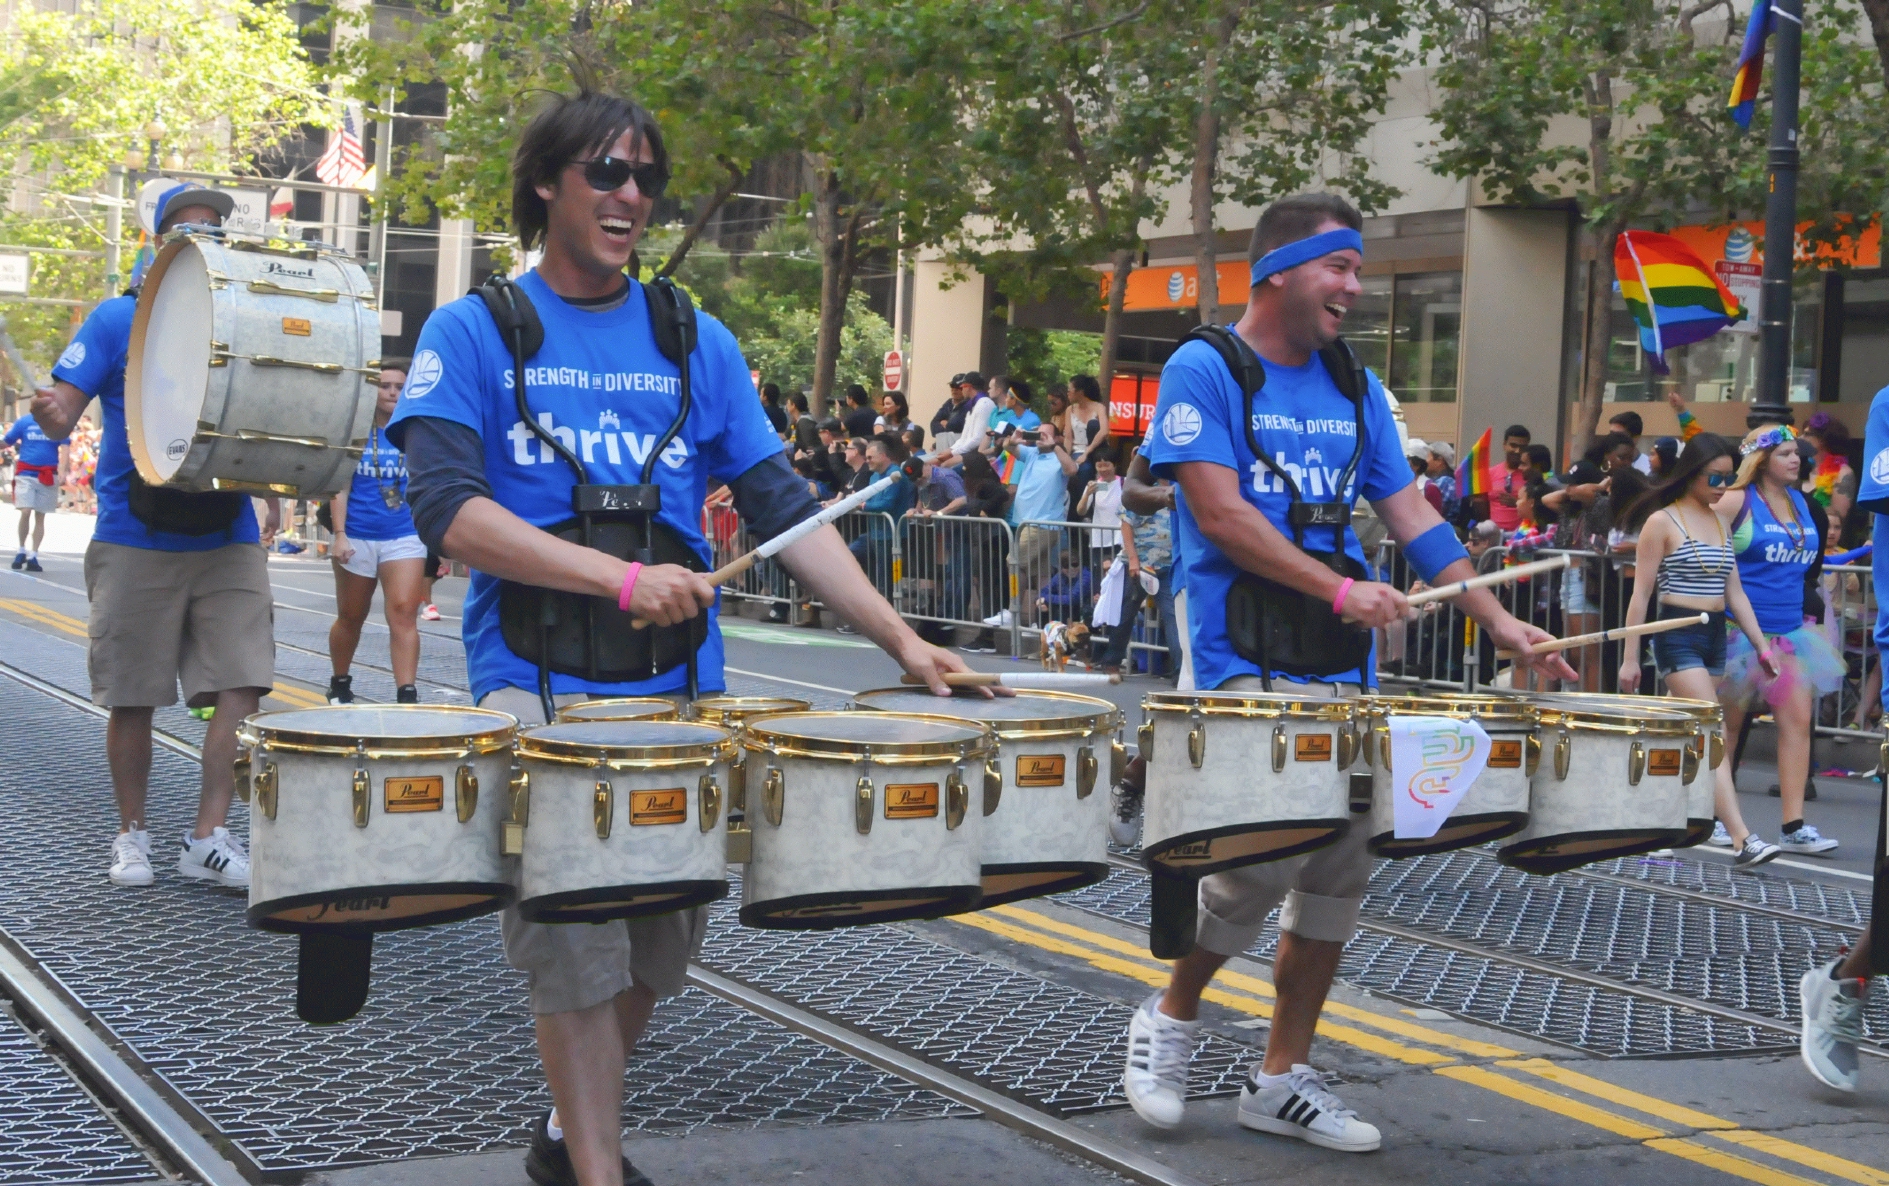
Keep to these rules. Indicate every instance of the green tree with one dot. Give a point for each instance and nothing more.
(1646, 80)
(1279, 97)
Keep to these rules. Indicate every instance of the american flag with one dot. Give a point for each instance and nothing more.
(341, 163)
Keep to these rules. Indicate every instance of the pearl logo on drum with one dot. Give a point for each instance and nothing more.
(1311, 747)
(669, 805)
(414, 794)
(278, 268)
(911, 800)
(1505, 755)
(1040, 770)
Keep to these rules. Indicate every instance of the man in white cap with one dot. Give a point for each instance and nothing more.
(178, 587)
(1417, 452)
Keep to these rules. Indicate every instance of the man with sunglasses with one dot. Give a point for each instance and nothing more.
(484, 486)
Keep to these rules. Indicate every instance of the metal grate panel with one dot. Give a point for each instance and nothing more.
(50, 1131)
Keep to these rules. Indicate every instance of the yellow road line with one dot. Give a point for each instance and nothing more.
(300, 697)
(53, 618)
(1254, 984)
(1727, 1163)
(1502, 1085)
(1816, 1159)
(1157, 975)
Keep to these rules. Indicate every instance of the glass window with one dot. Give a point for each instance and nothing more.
(1724, 367)
(1426, 326)
(1368, 325)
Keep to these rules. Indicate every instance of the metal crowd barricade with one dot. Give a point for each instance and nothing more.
(1061, 566)
(960, 570)
(872, 536)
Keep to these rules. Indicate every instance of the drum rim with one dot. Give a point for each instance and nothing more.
(1106, 718)
(661, 703)
(1506, 709)
(256, 733)
(716, 710)
(1709, 711)
(1255, 705)
(1611, 716)
(758, 738)
(629, 757)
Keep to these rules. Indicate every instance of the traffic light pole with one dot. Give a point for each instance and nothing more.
(1780, 221)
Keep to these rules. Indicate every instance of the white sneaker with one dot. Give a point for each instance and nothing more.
(1833, 1026)
(1124, 815)
(142, 838)
(1757, 851)
(1719, 838)
(999, 620)
(1159, 1051)
(131, 864)
(429, 612)
(1298, 1104)
(1806, 839)
(218, 857)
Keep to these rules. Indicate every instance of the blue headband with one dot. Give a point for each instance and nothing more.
(1293, 254)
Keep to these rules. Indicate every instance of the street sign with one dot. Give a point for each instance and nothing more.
(14, 274)
(894, 370)
(251, 213)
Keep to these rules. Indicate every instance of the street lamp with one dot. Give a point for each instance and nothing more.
(154, 133)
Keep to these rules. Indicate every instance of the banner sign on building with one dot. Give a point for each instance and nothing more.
(1131, 398)
(1177, 286)
(1732, 250)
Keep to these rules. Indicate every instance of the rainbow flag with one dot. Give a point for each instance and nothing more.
(1673, 296)
(1472, 476)
(1750, 63)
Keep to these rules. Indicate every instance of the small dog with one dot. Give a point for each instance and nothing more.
(1061, 642)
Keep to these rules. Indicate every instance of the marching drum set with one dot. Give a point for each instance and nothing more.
(906, 806)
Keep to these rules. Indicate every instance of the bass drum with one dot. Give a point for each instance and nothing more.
(252, 366)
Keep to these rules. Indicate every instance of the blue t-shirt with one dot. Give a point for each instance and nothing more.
(36, 448)
(601, 387)
(1773, 561)
(1309, 428)
(94, 362)
(383, 467)
(1029, 421)
(1042, 488)
(1872, 495)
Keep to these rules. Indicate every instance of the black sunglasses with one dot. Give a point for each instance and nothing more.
(607, 173)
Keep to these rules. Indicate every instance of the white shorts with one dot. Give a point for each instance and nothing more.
(31, 494)
(370, 554)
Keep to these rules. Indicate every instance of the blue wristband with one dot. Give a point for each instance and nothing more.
(1434, 551)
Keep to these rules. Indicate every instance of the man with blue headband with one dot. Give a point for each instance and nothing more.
(1273, 430)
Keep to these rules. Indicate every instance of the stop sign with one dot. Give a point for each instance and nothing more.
(894, 370)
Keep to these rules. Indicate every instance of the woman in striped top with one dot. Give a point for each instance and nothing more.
(1687, 544)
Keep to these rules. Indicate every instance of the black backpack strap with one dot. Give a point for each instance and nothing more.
(671, 319)
(512, 311)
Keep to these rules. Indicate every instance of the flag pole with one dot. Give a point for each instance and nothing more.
(1780, 222)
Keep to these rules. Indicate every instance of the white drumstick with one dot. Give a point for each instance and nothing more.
(1019, 679)
(790, 537)
(1499, 577)
(1619, 632)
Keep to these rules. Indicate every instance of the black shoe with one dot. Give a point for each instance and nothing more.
(548, 1163)
(406, 694)
(341, 689)
(32, 564)
(1810, 791)
(19, 561)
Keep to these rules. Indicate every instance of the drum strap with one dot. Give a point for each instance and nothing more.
(590, 637)
(1273, 626)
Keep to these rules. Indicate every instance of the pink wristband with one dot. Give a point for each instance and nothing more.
(629, 586)
(1338, 602)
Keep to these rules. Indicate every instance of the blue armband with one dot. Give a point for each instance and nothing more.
(1434, 551)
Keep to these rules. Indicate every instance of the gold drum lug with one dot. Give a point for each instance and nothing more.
(740, 845)
(241, 769)
(1087, 767)
(1117, 761)
(1197, 743)
(1347, 747)
(1532, 747)
(993, 785)
(362, 784)
(466, 792)
(1278, 748)
(1688, 765)
(1563, 750)
(862, 805)
(708, 792)
(773, 795)
(1718, 748)
(1144, 741)
(957, 800)
(266, 789)
(738, 787)
(603, 808)
(512, 841)
(1384, 748)
(1636, 763)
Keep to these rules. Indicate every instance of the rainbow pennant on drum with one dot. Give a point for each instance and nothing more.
(1674, 298)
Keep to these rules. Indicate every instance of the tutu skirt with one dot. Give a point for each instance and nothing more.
(1805, 658)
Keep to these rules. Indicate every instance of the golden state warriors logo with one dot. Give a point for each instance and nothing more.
(1181, 424)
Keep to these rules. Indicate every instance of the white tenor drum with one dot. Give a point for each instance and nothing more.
(1046, 829)
(862, 817)
(621, 708)
(1238, 778)
(252, 366)
(1708, 746)
(620, 819)
(374, 819)
(731, 711)
(1613, 782)
(1496, 804)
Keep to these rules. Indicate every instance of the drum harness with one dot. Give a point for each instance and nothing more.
(1268, 624)
(571, 633)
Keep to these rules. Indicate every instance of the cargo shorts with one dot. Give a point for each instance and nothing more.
(576, 965)
(205, 619)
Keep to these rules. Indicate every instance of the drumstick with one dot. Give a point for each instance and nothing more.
(1017, 679)
(789, 538)
(1617, 633)
(1500, 577)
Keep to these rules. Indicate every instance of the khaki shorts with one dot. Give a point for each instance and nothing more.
(31, 494)
(576, 965)
(1321, 890)
(203, 618)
